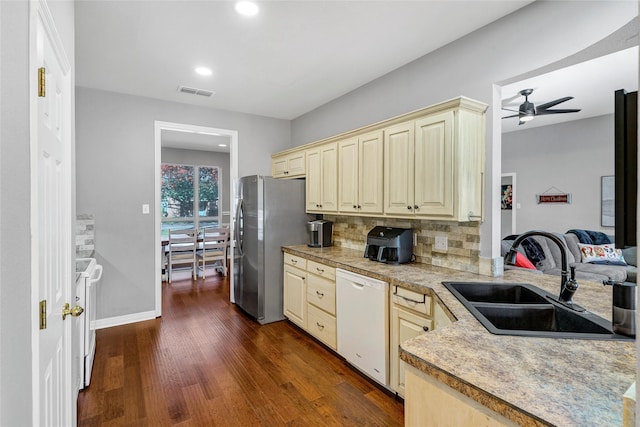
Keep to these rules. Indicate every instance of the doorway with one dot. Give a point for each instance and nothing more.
(211, 135)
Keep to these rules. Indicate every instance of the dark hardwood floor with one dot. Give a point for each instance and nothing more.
(205, 363)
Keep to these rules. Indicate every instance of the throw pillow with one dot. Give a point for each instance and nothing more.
(523, 261)
(602, 254)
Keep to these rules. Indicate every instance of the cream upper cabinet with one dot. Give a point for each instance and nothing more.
(322, 178)
(360, 174)
(434, 168)
(398, 169)
(426, 164)
(289, 165)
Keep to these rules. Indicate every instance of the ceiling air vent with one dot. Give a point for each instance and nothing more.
(194, 91)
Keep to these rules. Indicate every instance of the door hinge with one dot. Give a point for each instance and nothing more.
(41, 81)
(43, 314)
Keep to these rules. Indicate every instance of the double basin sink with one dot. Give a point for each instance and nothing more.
(526, 310)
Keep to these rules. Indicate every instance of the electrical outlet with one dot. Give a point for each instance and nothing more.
(145, 209)
(441, 243)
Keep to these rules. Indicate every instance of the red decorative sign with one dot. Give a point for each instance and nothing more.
(554, 198)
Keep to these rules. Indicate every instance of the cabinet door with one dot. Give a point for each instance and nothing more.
(279, 167)
(296, 164)
(404, 326)
(348, 175)
(370, 181)
(329, 186)
(313, 180)
(295, 296)
(434, 165)
(398, 169)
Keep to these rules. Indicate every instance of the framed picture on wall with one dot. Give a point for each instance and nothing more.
(506, 197)
(607, 201)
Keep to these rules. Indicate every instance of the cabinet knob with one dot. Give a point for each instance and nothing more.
(354, 206)
(409, 207)
(425, 328)
(416, 207)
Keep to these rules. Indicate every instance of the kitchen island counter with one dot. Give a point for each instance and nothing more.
(531, 381)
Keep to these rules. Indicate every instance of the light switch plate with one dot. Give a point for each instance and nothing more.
(441, 244)
(145, 208)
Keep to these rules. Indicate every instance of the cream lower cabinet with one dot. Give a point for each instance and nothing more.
(310, 298)
(429, 402)
(322, 179)
(410, 316)
(360, 161)
(295, 289)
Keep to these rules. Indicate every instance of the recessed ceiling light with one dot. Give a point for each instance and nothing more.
(222, 145)
(204, 71)
(247, 8)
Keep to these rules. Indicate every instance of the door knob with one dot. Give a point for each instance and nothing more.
(74, 311)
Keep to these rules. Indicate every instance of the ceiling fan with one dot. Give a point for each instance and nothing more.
(528, 111)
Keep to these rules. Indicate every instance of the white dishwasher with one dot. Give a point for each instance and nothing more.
(363, 323)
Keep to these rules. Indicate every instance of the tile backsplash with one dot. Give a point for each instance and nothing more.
(85, 235)
(463, 252)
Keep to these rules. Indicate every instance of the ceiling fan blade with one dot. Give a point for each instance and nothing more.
(510, 109)
(520, 123)
(509, 100)
(513, 115)
(554, 102)
(570, 110)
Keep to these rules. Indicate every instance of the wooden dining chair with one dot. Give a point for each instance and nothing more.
(213, 248)
(181, 250)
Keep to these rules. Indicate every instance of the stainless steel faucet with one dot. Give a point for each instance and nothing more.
(568, 283)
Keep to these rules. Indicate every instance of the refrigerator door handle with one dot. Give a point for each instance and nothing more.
(237, 223)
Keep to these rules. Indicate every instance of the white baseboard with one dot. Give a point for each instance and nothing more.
(124, 320)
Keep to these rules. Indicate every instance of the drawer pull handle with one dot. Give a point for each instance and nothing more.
(425, 328)
(321, 270)
(320, 325)
(410, 301)
(293, 261)
(320, 294)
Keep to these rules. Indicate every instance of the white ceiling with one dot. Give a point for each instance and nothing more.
(591, 83)
(195, 141)
(290, 59)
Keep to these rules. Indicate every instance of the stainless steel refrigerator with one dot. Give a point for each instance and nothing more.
(270, 213)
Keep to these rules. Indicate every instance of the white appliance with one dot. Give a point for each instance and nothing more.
(88, 275)
(363, 323)
(270, 214)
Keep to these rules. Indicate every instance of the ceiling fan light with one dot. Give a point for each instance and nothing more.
(527, 118)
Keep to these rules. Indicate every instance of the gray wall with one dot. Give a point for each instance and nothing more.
(15, 259)
(115, 176)
(204, 158)
(572, 157)
(470, 66)
(15, 252)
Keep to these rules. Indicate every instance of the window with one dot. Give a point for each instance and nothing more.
(181, 186)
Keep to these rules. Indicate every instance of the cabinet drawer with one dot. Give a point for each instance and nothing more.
(295, 261)
(321, 270)
(412, 300)
(321, 293)
(322, 326)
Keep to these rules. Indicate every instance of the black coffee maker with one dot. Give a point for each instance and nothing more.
(389, 245)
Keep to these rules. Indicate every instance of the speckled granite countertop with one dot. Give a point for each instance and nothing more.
(532, 381)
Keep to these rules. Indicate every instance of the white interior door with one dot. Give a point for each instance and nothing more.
(54, 394)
